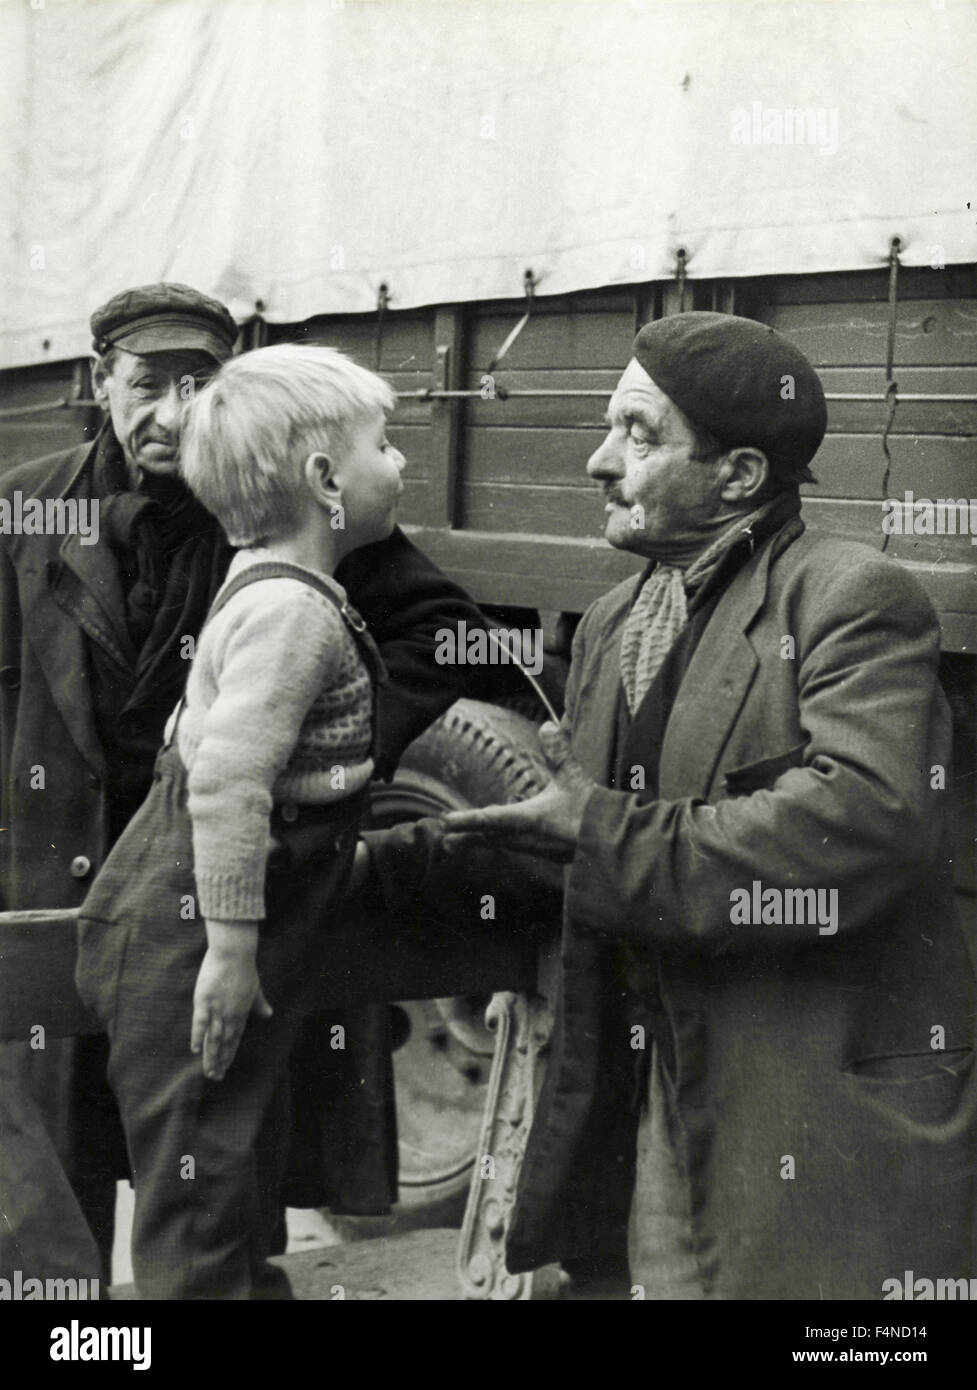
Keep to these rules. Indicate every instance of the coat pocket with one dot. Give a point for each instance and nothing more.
(925, 1088)
(752, 777)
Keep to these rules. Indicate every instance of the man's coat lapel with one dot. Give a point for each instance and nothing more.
(715, 686)
(68, 589)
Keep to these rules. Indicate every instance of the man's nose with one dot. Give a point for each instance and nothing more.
(607, 461)
(169, 406)
(399, 459)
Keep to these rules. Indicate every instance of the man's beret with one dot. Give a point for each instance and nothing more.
(164, 318)
(740, 380)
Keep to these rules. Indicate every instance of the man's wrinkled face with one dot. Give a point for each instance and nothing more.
(661, 499)
(145, 397)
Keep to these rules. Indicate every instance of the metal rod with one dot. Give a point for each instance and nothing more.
(12, 412)
(529, 289)
(895, 246)
(540, 692)
(681, 256)
(383, 303)
(426, 393)
(891, 385)
(903, 396)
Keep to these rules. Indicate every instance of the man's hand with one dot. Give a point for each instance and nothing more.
(548, 823)
(227, 991)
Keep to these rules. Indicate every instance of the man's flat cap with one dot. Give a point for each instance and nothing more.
(164, 318)
(740, 380)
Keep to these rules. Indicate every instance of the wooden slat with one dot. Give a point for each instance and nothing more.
(541, 413)
(410, 411)
(944, 565)
(915, 282)
(533, 571)
(930, 466)
(591, 340)
(33, 436)
(551, 457)
(37, 976)
(929, 332)
(531, 510)
(414, 442)
(911, 417)
(617, 299)
(945, 570)
(416, 503)
(545, 570)
(845, 466)
(28, 385)
(847, 417)
(23, 440)
(370, 960)
(406, 338)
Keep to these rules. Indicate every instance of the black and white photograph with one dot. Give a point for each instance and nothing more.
(488, 664)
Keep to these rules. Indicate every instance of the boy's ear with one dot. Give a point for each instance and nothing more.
(320, 475)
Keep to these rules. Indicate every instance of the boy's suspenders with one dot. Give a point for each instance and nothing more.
(281, 569)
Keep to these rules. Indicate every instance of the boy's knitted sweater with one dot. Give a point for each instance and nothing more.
(278, 709)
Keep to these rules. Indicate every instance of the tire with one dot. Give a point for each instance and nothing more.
(475, 755)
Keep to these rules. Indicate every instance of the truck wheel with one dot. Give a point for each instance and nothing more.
(475, 754)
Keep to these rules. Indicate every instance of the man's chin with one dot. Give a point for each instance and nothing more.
(167, 466)
(621, 534)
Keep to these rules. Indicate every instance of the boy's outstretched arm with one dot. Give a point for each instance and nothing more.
(226, 992)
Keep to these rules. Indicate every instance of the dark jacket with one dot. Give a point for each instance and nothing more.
(57, 594)
(61, 600)
(811, 767)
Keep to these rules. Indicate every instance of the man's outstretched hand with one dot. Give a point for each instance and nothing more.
(549, 822)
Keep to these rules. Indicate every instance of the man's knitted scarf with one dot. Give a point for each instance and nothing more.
(660, 610)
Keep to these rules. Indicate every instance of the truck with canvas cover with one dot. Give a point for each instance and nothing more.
(484, 203)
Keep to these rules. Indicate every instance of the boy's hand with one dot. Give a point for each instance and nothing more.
(227, 991)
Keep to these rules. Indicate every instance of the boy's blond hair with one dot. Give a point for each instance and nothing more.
(247, 434)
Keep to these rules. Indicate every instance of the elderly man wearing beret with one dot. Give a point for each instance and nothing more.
(763, 1055)
(94, 656)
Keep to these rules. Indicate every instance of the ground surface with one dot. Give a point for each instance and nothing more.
(358, 1258)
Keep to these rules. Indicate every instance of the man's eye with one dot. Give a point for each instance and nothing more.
(638, 435)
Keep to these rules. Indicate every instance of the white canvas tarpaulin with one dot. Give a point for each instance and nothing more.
(301, 152)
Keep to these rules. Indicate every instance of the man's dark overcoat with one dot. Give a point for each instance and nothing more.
(59, 600)
(807, 746)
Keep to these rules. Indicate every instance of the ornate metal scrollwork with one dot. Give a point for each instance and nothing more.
(522, 1025)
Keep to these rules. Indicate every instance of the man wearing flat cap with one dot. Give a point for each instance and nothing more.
(762, 1063)
(94, 657)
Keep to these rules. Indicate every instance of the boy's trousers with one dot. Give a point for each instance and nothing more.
(206, 1156)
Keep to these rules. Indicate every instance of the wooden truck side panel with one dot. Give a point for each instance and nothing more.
(496, 490)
